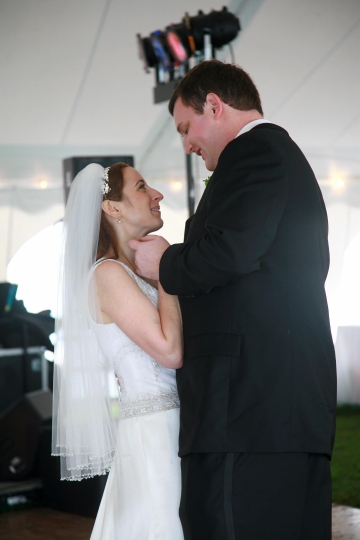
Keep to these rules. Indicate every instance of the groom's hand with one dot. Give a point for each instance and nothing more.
(148, 252)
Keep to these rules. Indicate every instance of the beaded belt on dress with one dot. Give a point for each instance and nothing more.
(146, 404)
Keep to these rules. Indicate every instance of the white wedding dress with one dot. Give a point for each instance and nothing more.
(142, 494)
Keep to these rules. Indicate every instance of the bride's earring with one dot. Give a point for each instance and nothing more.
(119, 219)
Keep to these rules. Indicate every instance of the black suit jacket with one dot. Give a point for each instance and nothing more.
(259, 366)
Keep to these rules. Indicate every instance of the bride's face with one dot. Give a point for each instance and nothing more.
(140, 207)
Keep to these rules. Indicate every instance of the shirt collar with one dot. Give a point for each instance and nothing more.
(251, 125)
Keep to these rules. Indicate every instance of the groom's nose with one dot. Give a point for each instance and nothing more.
(189, 148)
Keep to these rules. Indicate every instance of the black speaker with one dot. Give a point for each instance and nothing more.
(21, 372)
(20, 427)
(72, 166)
(42, 401)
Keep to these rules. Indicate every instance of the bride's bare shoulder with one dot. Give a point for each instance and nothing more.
(111, 269)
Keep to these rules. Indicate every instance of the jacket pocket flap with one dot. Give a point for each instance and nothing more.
(214, 343)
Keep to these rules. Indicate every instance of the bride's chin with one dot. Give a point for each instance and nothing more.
(149, 230)
(157, 227)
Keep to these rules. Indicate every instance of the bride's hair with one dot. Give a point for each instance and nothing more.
(107, 237)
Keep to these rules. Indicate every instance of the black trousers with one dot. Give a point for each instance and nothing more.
(241, 496)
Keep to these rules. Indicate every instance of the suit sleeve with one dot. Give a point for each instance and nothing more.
(246, 202)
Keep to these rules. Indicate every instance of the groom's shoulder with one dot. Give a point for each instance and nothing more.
(264, 131)
(259, 138)
(266, 126)
(263, 137)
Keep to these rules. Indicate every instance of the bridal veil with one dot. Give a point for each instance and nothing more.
(84, 427)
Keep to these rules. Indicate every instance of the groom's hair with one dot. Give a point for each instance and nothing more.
(230, 82)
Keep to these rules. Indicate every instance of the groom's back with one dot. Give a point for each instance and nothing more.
(259, 368)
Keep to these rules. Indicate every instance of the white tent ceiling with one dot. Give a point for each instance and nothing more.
(71, 80)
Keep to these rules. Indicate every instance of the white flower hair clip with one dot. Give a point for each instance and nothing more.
(105, 181)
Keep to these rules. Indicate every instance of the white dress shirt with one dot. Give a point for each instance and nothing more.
(251, 125)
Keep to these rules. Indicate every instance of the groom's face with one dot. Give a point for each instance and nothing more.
(200, 132)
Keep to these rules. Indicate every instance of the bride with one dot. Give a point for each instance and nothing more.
(111, 320)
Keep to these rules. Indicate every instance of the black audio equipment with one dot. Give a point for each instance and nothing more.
(19, 432)
(7, 297)
(22, 372)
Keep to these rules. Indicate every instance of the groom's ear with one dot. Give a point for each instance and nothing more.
(214, 105)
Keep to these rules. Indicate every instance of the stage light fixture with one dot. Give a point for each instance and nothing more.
(158, 42)
(176, 47)
(146, 53)
(169, 51)
(223, 27)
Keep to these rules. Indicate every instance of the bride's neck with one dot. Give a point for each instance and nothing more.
(126, 255)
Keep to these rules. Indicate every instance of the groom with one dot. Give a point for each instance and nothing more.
(258, 384)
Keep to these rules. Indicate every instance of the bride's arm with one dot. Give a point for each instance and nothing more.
(157, 332)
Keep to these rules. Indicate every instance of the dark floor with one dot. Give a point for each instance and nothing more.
(46, 524)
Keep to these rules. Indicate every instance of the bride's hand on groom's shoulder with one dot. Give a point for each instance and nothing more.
(148, 252)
